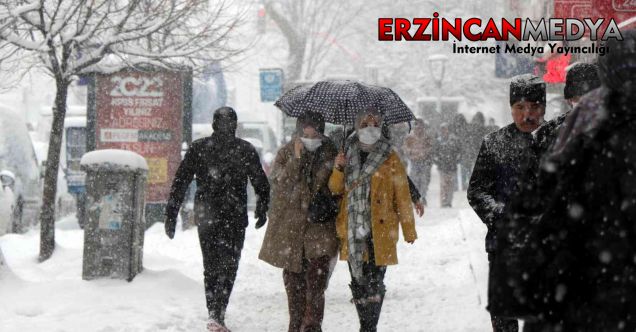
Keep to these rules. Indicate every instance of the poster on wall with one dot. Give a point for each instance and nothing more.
(143, 112)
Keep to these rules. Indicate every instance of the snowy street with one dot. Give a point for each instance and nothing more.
(439, 284)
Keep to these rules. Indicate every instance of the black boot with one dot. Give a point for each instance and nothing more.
(372, 310)
(359, 301)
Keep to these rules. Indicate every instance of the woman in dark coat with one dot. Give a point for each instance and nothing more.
(305, 251)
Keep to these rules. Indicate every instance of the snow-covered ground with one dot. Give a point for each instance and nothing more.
(439, 285)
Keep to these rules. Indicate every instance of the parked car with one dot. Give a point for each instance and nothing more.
(20, 171)
(259, 131)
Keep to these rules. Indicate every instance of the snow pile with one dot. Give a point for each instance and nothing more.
(112, 158)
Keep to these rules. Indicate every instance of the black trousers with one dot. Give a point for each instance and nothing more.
(221, 245)
(306, 294)
(501, 324)
(368, 297)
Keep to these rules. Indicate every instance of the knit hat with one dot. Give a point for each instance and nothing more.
(527, 87)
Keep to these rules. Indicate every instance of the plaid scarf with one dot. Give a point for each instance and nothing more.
(358, 186)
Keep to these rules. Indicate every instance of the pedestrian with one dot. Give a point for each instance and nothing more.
(304, 248)
(476, 134)
(587, 227)
(492, 126)
(459, 128)
(222, 164)
(418, 147)
(528, 204)
(580, 79)
(376, 202)
(447, 153)
(502, 160)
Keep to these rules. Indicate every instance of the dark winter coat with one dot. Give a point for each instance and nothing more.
(503, 158)
(222, 166)
(447, 153)
(592, 215)
(290, 236)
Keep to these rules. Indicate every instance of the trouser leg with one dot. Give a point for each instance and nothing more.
(369, 297)
(221, 248)
(317, 277)
(446, 190)
(296, 288)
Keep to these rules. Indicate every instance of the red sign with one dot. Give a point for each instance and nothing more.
(143, 112)
(619, 10)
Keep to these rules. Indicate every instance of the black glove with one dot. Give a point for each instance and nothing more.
(260, 215)
(170, 226)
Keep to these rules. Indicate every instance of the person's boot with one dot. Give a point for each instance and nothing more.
(360, 302)
(373, 310)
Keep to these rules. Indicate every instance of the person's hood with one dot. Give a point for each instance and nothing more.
(581, 79)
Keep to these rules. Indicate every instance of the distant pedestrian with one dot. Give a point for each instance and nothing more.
(418, 147)
(447, 153)
(492, 126)
(476, 134)
(460, 129)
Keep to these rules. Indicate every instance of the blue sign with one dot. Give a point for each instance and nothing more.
(271, 84)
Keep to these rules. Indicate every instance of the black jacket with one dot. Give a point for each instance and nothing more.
(221, 165)
(504, 156)
(589, 219)
(447, 153)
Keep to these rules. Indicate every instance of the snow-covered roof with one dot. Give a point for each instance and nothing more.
(114, 158)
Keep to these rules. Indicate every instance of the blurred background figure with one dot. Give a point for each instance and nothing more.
(459, 128)
(418, 147)
(475, 134)
(492, 126)
(446, 157)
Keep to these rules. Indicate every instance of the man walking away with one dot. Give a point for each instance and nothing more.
(503, 158)
(447, 153)
(221, 164)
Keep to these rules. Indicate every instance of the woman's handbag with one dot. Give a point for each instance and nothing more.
(323, 207)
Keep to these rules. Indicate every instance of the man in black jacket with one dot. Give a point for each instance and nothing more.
(503, 158)
(221, 164)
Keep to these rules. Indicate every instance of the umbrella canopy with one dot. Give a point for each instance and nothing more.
(340, 101)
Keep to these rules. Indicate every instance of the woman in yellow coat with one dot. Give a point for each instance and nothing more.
(376, 201)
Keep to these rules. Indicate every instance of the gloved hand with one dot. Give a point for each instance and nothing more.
(260, 215)
(170, 228)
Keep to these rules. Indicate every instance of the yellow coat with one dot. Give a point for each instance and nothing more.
(390, 207)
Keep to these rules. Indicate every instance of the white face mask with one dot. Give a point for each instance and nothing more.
(311, 144)
(369, 135)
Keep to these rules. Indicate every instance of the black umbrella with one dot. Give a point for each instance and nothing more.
(340, 101)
